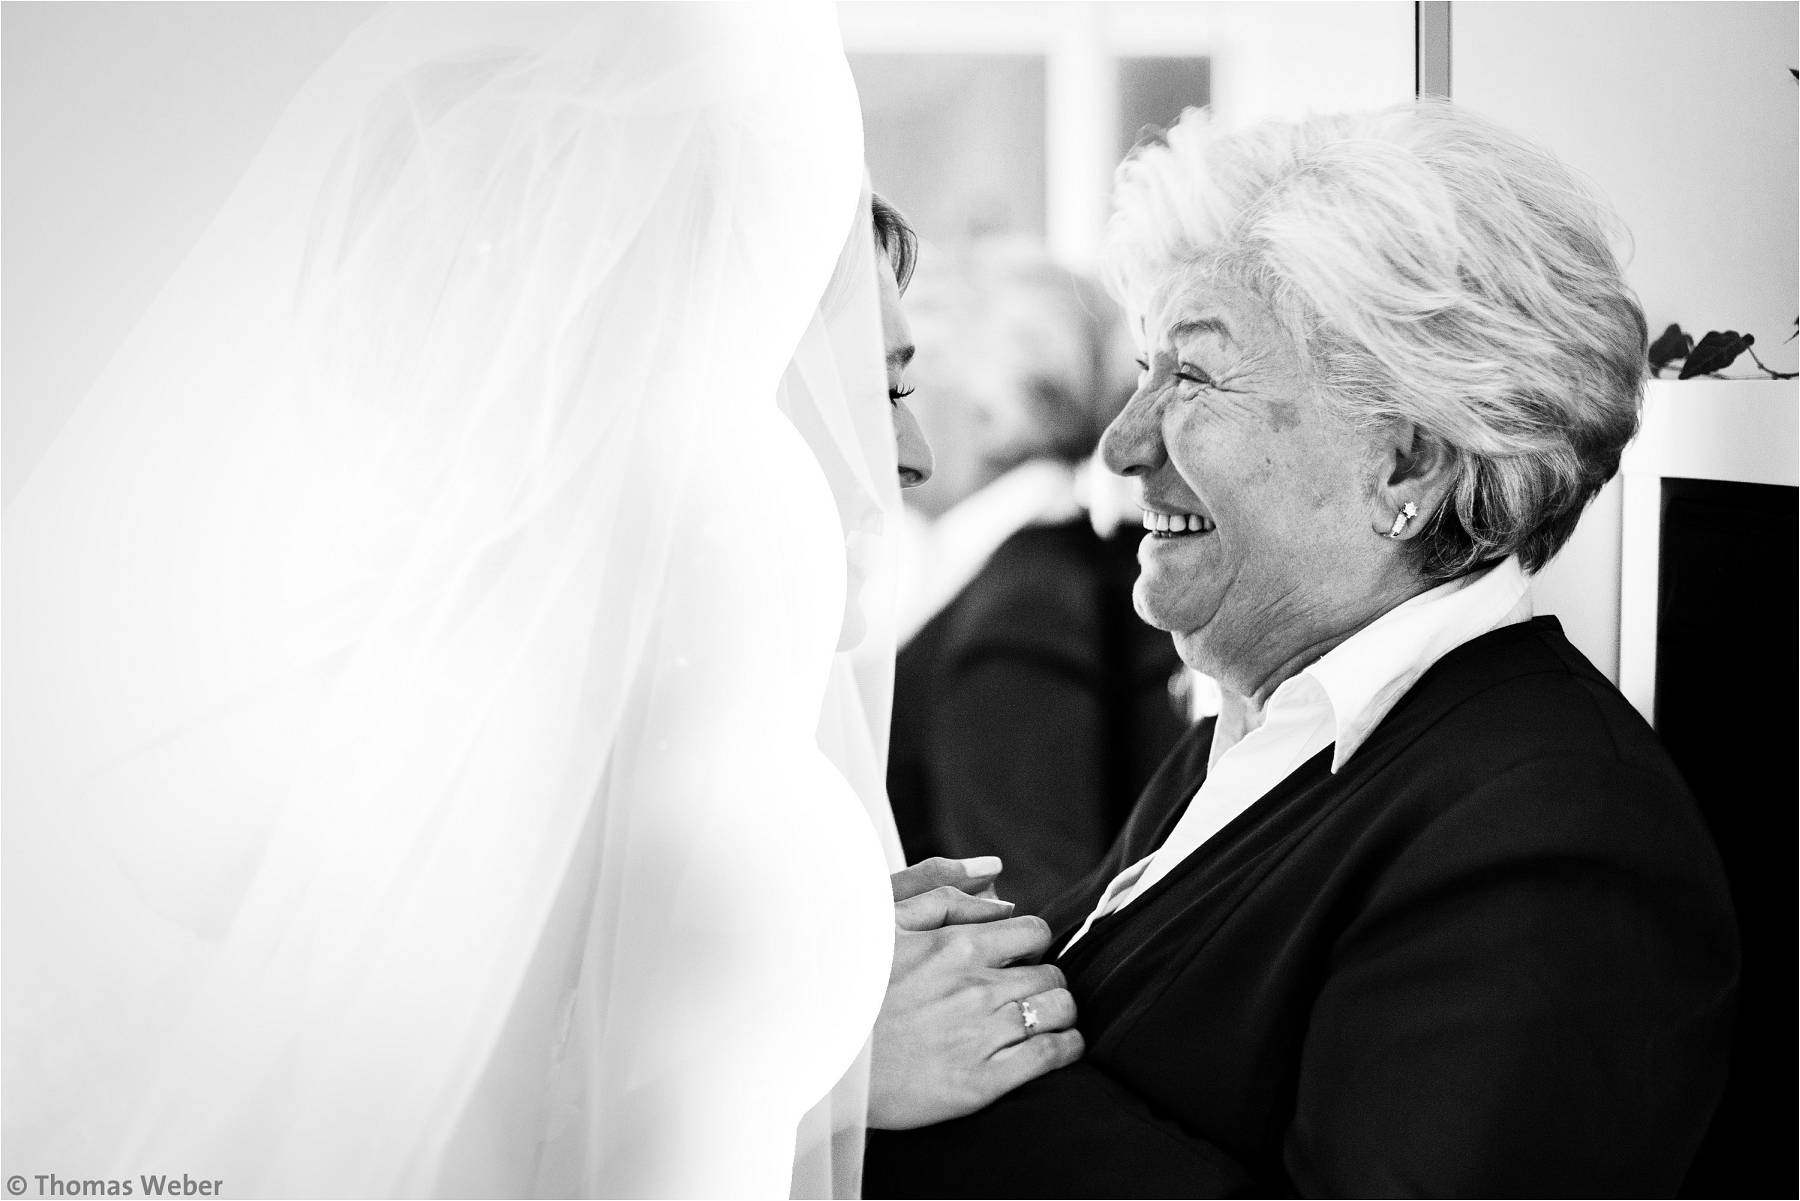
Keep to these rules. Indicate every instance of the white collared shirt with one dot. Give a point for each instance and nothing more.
(1339, 699)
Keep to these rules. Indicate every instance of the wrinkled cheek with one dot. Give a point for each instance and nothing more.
(1327, 492)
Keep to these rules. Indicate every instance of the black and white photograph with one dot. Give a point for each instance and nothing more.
(899, 598)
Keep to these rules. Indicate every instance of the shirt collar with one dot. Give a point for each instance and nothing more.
(1365, 676)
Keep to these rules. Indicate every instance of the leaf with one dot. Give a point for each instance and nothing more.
(1715, 352)
(1671, 344)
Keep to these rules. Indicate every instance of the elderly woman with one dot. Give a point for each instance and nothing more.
(1426, 909)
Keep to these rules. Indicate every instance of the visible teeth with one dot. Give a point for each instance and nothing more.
(1176, 523)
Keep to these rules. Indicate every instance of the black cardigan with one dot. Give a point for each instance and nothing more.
(1494, 955)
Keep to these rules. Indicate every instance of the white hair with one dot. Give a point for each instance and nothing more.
(1431, 268)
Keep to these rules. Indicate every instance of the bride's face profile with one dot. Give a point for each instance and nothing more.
(897, 342)
(895, 248)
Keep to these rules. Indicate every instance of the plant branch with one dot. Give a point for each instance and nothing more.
(1771, 373)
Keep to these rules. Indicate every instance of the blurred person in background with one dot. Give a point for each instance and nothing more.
(1030, 704)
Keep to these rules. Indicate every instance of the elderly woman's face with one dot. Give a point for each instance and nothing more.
(1259, 501)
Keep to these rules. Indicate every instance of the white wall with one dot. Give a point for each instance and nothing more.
(1295, 59)
(1684, 115)
(125, 125)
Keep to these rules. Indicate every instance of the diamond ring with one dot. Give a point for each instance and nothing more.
(1028, 1014)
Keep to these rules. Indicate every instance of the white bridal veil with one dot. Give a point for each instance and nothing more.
(447, 657)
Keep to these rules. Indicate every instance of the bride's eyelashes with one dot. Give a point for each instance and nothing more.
(896, 395)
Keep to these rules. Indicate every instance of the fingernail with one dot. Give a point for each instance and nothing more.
(981, 865)
(997, 901)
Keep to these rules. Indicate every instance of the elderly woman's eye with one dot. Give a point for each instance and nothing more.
(1142, 365)
(1194, 375)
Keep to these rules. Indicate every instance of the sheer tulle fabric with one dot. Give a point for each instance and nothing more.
(440, 755)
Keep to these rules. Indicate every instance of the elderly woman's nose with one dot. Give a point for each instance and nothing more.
(914, 451)
(1132, 444)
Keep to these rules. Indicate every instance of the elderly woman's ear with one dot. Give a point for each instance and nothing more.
(1417, 471)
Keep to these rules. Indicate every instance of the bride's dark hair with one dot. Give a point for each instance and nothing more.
(896, 239)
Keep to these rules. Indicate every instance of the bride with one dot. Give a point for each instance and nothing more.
(447, 657)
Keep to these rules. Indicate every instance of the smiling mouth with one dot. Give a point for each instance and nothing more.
(1176, 525)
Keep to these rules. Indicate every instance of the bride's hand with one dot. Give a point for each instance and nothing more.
(951, 1037)
(944, 892)
(948, 907)
(973, 876)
